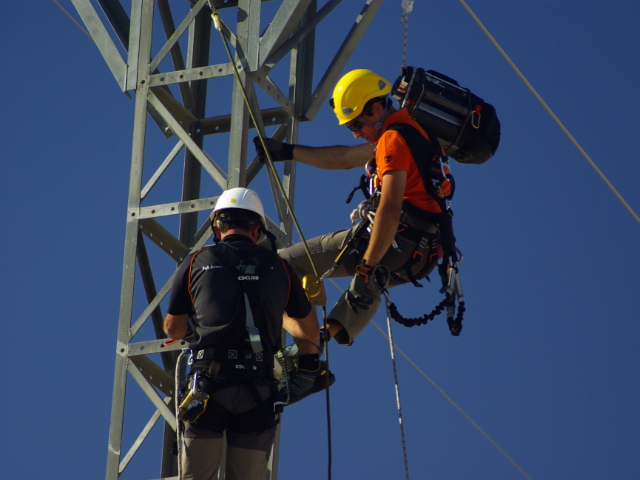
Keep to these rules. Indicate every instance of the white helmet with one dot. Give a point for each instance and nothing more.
(243, 198)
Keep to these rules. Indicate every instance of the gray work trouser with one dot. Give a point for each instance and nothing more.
(325, 249)
(247, 453)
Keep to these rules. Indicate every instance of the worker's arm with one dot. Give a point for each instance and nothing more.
(175, 326)
(328, 158)
(387, 216)
(334, 158)
(303, 328)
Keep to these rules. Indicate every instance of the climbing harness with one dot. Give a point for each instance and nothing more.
(241, 353)
(431, 231)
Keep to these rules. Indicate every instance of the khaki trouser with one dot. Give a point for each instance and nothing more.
(247, 453)
(324, 250)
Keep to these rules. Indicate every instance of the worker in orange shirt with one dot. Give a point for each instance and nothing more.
(409, 213)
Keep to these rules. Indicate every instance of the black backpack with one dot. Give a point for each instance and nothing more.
(466, 126)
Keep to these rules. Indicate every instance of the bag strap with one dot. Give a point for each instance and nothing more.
(432, 177)
(427, 156)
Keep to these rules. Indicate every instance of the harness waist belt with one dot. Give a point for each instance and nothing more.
(416, 219)
(234, 361)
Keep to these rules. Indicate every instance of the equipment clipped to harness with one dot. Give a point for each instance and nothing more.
(194, 404)
(467, 127)
(284, 371)
(314, 288)
(452, 291)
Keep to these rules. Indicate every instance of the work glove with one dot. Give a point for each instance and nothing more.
(362, 290)
(278, 150)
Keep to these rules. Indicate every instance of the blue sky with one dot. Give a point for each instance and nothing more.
(547, 362)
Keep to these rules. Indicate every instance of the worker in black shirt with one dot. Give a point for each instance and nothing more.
(235, 297)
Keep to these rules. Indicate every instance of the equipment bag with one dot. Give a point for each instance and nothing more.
(467, 127)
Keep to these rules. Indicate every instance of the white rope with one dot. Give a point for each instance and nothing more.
(443, 393)
(395, 377)
(177, 407)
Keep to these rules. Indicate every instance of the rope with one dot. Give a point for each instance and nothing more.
(454, 404)
(217, 21)
(328, 396)
(395, 378)
(444, 394)
(177, 407)
(407, 6)
(553, 115)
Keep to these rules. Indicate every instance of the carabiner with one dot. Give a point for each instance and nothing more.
(476, 112)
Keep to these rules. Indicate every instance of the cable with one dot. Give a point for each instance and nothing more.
(445, 395)
(553, 115)
(328, 397)
(454, 404)
(382, 277)
(395, 378)
(74, 21)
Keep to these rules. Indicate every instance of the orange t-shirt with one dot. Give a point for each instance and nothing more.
(393, 153)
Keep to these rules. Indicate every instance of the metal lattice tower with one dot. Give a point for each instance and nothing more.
(175, 86)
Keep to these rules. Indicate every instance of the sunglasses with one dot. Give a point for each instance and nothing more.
(356, 126)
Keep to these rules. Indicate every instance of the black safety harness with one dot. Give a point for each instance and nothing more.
(240, 356)
(427, 229)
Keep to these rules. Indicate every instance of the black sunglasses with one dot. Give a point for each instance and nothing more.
(356, 126)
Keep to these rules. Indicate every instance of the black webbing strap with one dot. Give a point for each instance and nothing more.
(418, 254)
(230, 261)
(427, 157)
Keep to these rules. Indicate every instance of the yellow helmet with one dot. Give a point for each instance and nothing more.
(354, 90)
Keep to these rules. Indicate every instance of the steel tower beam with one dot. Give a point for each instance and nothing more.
(176, 85)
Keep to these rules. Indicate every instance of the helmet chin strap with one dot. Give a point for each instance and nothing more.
(272, 239)
(385, 112)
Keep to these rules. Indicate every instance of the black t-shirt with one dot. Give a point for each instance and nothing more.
(203, 289)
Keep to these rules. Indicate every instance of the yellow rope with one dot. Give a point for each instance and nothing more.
(550, 111)
(217, 23)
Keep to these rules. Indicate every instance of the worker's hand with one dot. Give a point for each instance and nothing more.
(362, 290)
(278, 150)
